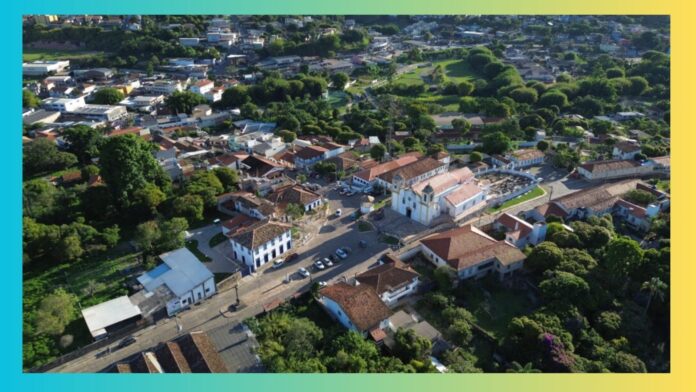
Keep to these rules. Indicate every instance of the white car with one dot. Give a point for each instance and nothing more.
(319, 265)
(322, 284)
(303, 272)
(327, 262)
(338, 212)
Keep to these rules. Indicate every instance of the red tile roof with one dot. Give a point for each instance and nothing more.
(360, 303)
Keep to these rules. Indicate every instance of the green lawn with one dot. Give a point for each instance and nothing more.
(47, 55)
(364, 226)
(337, 99)
(217, 239)
(382, 203)
(192, 245)
(536, 192)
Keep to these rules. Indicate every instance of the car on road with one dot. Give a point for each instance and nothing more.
(327, 262)
(303, 272)
(319, 265)
(338, 212)
(277, 263)
(341, 253)
(291, 257)
(127, 341)
(322, 284)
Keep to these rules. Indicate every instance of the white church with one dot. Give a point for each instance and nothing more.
(455, 193)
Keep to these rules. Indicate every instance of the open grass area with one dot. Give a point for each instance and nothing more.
(382, 203)
(49, 55)
(192, 245)
(534, 193)
(216, 240)
(365, 226)
(455, 71)
(337, 99)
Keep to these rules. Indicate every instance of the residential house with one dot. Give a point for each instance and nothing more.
(519, 159)
(295, 194)
(202, 87)
(454, 193)
(308, 156)
(607, 170)
(182, 280)
(251, 205)
(229, 160)
(357, 308)
(626, 150)
(260, 243)
(391, 280)
(472, 253)
(262, 174)
(520, 232)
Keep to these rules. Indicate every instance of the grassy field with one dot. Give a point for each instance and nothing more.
(536, 192)
(47, 55)
(337, 99)
(192, 245)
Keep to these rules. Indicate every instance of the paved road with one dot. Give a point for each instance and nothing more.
(261, 288)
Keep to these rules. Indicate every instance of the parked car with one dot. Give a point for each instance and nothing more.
(319, 265)
(341, 253)
(333, 259)
(303, 272)
(127, 341)
(277, 263)
(327, 262)
(338, 212)
(291, 257)
(322, 284)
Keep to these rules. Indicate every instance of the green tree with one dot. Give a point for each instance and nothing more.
(409, 346)
(39, 198)
(70, 247)
(545, 256)
(83, 141)
(146, 235)
(29, 99)
(55, 312)
(528, 367)
(189, 207)
(288, 136)
(294, 210)
(622, 256)
(475, 156)
(184, 101)
(127, 165)
(339, 80)
(444, 277)
(465, 88)
(656, 288)
(496, 143)
(92, 287)
(553, 98)
(378, 151)
(235, 97)
(42, 155)
(228, 178)
(148, 198)
(524, 95)
(564, 286)
(108, 96)
(543, 145)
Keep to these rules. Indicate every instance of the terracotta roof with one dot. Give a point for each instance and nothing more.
(599, 198)
(413, 169)
(377, 170)
(360, 303)
(123, 368)
(551, 209)
(606, 166)
(226, 159)
(259, 166)
(310, 152)
(238, 222)
(627, 147)
(467, 246)
(72, 176)
(259, 233)
(287, 156)
(514, 226)
(250, 200)
(631, 208)
(391, 275)
(204, 82)
(463, 193)
(172, 359)
(378, 334)
(200, 353)
(293, 194)
(444, 181)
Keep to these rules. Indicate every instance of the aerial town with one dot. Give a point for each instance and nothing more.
(346, 194)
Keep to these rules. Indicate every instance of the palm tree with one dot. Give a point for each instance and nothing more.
(657, 289)
(515, 367)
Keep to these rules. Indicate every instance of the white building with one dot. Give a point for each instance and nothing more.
(260, 243)
(626, 150)
(202, 87)
(63, 105)
(109, 316)
(357, 308)
(520, 232)
(38, 68)
(454, 193)
(391, 280)
(101, 112)
(166, 87)
(181, 279)
(189, 41)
